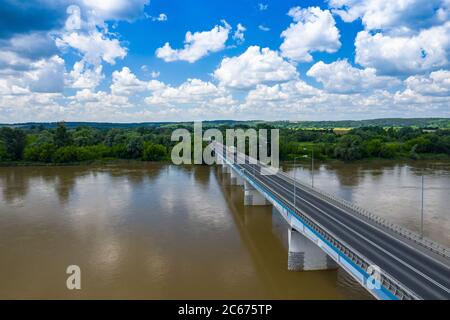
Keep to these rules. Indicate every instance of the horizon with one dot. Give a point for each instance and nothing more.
(227, 120)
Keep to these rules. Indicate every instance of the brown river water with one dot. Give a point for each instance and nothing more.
(159, 231)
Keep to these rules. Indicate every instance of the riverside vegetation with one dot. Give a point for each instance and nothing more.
(73, 143)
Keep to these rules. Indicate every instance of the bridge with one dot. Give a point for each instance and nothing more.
(326, 232)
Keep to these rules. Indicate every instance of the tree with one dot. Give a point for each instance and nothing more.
(349, 148)
(154, 152)
(62, 136)
(373, 147)
(389, 150)
(42, 152)
(85, 136)
(14, 141)
(134, 147)
(3, 153)
(66, 154)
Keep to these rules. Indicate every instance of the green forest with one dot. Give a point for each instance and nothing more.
(61, 143)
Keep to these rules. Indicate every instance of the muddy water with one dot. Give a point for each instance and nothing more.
(144, 231)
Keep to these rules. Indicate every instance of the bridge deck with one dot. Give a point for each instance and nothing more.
(424, 274)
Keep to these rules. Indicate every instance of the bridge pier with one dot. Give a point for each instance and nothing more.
(304, 255)
(252, 197)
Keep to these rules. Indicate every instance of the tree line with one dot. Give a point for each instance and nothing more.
(153, 143)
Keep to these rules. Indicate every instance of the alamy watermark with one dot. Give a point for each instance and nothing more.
(73, 281)
(241, 146)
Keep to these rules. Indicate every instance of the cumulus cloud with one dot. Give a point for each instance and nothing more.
(44, 75)
(95, 46)
(25, 17)
(194, 93)
(126, 83)
(313, 30)
(197, 45)
(263, 28)
(21, 51)
(27, 54)
(399, 38)
(341, 77)
(297, 100)
(428, 50)
(437, 83)
(47, 75)
(100, 10)
(239, 33)
(398, 17)
(84, 76)
(253, 67)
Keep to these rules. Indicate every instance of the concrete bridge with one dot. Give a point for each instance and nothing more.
(325, 232)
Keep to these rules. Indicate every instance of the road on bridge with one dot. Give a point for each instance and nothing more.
(422, 273)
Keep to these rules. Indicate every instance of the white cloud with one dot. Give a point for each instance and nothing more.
(9, 88)
(155, 74)
(263, 28)
(95, 46)
(161, 17)
(281, 92)
(44, 75)
(437, 83)
(196, 45)
(47, 75)
(125, 83)
(428, 50)
(262, 6)
(100, 10)
(313, 30)
(89, 97)
(341, 77)
(83, 76)
(31, 106)
(296, 100)
(253, 67)
(193, 93)
(239, 33)
(399, 17)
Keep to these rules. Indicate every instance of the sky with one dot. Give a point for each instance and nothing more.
(185, 60)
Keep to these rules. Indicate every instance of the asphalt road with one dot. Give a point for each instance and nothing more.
(419, 272)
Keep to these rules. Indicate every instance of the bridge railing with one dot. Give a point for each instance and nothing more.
(387, 281)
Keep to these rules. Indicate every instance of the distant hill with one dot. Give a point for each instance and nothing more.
(385, 122)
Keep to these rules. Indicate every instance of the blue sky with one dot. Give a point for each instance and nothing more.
(140, 60)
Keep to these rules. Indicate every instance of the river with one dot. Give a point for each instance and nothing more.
(159, 231)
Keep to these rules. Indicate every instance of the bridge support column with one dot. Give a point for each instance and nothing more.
(236, 179)
(252, 197)
(305, 255)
